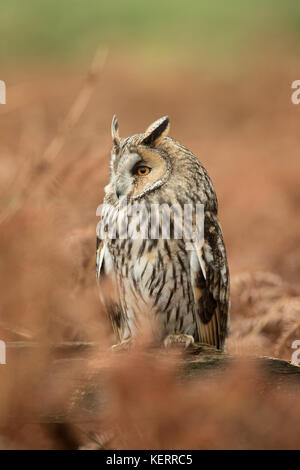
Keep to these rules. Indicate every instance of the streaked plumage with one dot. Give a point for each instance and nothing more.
(185, 291)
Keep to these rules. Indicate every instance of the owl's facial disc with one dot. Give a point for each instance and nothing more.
(150, 172)
(140, 170)
(123, 177)
(138, 163)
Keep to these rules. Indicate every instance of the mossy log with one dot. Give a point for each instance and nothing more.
(87, 390)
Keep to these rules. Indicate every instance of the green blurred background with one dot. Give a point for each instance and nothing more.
(215, 30)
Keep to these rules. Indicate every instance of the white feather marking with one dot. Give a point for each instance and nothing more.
(200, 259)
(100, 261)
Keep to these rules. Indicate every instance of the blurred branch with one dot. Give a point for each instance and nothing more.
(77, 108)
(26, 335)
(54, 148)
(65, 345)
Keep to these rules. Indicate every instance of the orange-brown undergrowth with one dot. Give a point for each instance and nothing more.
(249, 143)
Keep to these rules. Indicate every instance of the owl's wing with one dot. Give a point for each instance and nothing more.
(107, 286)
(210, 281)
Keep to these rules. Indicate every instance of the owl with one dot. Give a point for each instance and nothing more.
(179, 280)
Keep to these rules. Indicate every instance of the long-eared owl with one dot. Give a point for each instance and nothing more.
(177, 277)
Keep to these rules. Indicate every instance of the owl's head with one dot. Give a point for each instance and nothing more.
(140, 163)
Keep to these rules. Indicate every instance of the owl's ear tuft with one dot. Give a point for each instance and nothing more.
(157, 131)
(115, 131)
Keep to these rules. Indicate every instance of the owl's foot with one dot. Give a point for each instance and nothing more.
(123, 346)
(178, 340)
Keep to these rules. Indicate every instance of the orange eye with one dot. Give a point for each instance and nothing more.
(143, 170)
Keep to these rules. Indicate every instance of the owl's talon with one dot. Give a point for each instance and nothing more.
(178, 340)
(123, 346)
